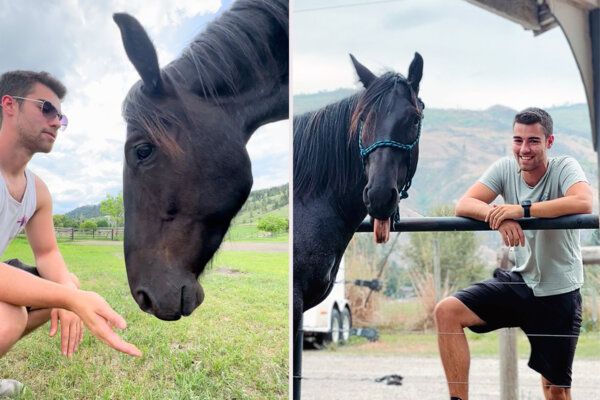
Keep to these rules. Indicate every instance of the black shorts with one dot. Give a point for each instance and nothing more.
(15, 262)
(552, 323)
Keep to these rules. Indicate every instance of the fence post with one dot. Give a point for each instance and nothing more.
(72, 233)
(112, 234)
(507, 347)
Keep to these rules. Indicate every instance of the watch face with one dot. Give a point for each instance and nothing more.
(526, 203)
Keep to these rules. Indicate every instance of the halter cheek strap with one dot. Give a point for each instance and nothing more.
(392, 143)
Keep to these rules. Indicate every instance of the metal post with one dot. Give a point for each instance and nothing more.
(507, 344)
(437, 274)
(297, 362)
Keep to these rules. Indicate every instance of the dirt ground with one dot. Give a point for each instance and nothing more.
(333, 376)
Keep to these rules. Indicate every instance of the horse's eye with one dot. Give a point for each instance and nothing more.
(416, 120)
(143, 151)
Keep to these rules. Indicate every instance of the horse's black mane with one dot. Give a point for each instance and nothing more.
(326, 156)
(247, 43)
(323, 155)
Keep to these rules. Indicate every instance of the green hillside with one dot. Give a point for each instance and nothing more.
(85, 212)
(273, 201)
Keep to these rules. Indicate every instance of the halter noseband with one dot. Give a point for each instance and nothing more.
(392, 143)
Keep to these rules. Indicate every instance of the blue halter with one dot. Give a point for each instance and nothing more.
(392, 143)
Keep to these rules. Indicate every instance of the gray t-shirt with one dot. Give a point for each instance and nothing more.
(550, 262)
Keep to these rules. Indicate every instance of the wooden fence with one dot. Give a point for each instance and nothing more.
(73, 234)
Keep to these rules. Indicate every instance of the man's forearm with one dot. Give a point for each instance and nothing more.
(23, 289)
(561, 206)
(51, 266)
(472, 208)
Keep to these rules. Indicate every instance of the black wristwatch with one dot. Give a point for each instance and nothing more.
(526, 204)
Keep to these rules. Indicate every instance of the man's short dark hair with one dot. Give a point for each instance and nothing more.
(20, 83)
(533, 115)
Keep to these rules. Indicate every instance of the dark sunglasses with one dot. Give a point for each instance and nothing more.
(49, 111)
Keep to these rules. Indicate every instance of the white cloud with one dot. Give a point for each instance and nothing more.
(473, 58)
(78, 42)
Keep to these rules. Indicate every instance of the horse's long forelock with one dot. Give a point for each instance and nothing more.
(371, 102)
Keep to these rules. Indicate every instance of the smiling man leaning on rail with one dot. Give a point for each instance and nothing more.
(541, 293)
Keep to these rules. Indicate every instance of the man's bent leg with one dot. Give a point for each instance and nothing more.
(552, 392)
(13, 321)
(451, 317)
(35, 319)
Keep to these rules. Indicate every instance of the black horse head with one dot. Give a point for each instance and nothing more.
(387, 123)
(187, 172)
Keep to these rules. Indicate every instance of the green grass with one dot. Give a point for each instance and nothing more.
(234, 346)
(425, 344)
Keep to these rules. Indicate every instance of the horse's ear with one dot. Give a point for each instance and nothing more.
(140, 51)
(415, 72)
(365, 76)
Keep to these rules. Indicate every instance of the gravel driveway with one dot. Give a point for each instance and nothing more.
(340, 376)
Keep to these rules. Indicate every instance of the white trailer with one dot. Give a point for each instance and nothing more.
(329, 321)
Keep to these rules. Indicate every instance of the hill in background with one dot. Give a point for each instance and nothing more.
(85, 212)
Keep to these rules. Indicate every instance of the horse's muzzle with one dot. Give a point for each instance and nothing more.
(170, 306)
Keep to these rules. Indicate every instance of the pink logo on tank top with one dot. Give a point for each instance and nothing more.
(22, 221)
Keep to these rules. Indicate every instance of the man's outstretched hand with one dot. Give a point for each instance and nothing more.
(100, 319)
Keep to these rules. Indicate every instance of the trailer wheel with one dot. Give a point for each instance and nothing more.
(333, 336)
(346, 320)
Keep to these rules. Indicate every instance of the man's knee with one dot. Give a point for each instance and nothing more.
(13, 323)
(447, 309)
(452, 310)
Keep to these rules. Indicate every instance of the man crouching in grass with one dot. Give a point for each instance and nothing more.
(30, 121)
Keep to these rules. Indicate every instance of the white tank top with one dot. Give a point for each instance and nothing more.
(14, 215)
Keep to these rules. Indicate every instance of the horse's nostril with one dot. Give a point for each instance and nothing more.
(143, 300)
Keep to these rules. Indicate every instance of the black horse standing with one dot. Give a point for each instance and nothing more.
(187, 171)
(351, 158)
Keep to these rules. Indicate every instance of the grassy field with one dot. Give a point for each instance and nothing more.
(235, 346)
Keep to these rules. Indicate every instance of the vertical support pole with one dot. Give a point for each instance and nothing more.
(437, 273)
(509, 374)
(507, 344)
(72, 234)
(297, 362)
(593, 308)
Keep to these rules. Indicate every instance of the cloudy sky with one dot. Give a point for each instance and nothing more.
(473, 59)
(78, 42)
